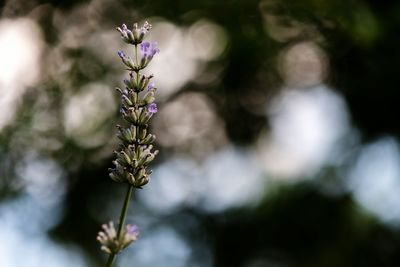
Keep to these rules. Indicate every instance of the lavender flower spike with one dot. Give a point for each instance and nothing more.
(136, 151)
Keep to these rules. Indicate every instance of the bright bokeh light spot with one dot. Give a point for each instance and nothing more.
(42, 178)
(190, 123)
(170, 249)
(230, 179)
(171, 185)
(375, 179)
(172, 68)
(85, 112)
(183, 52)
(227, 179)
(23, 226)
(306, 126)
(303, 64)
(21, 46)
(206, 40)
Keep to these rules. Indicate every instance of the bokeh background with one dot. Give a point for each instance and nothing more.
(278, 128)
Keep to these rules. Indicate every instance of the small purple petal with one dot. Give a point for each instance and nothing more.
(132, 229)
(149, 50)
(151, 86)
(154, 49)
(121, 54)
(145, 44)
(144, 47)
(152, 108)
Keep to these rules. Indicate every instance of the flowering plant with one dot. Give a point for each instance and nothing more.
(136, 150)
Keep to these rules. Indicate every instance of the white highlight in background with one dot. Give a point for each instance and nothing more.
(375, 179)
(21, 46)
(306, 126)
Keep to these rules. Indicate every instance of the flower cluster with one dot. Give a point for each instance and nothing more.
(137, 98)
(136, 35)
(136, 150)
(111, 243)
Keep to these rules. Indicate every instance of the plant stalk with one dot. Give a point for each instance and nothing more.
(110, 260)
(122, 217)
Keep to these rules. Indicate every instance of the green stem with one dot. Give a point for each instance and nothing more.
(122, 217)
(137, 64)
(136, 57)
(124, 210)
(110, 260)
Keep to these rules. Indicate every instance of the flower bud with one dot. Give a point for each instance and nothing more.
(126, 101)
(149, 139)
(149, 97)
(131, 178)
(125, 158)
(142, 133)
(134, 97)
(111, 242)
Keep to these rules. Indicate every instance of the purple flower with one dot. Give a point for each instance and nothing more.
(144, 48)
(121, 54)
(149, 50)
(132, 229)
(124, 30)
(127, 83)
(131, 234)
(152, 108)
(151, 86)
